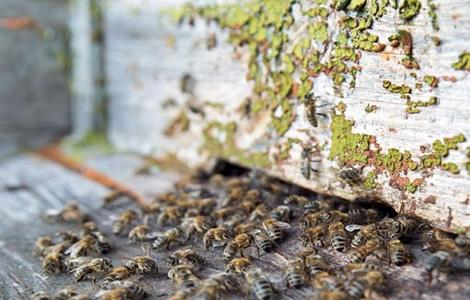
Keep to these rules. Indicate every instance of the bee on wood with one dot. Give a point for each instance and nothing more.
(365, 233)
(437, 261)
(294, 273)
(397, 252)
(230, 251)
(134, 290)
(432, 240)
(87, 228)
(197, 224)
(217, 284)
(112, 197)
(183, 277)
(362, 216)
(310, 219)
(357, 287)
(173, 235)
(263, 241)
(282, 213)
(117, 273)
(245, 227)
(40, 296)
(325, 280)
(306, 168)
(170, 213)
(224, 213)
(360, 268)
(92, 269)
(311, 110)
(360, 253)
(218, 235)
(53, 263)
(42, 244)
(83, 247)
(314, 264)
(399, 226)
(463, 241)
(238, 265)
(141, 233)
(275, 229)
(73, 263)
(186, 256)
(64, 294)
(331, 295)
(124, 221)
(71, 213)
(351, 175)
(259, 213)
(313, 236)
(260, 284)
(244, 241)
(143, 264)
(337, 236)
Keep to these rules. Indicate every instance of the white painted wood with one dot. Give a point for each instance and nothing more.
(143, 71)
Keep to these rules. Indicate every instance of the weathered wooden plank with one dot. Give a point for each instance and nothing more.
(146, 62)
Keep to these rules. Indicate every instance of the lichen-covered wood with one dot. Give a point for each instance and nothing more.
(349, 98)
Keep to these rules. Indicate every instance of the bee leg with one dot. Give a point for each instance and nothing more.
(241, 253)
(168, 245)
(257, 250)
(430, 277)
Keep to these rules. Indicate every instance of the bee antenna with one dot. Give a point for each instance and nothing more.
(147, 248)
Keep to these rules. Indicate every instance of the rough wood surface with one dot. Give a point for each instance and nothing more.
(30, 185)
(147, 58)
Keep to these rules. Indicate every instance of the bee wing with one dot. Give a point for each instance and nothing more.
(74, 249)
(283, 225)
(353, 227)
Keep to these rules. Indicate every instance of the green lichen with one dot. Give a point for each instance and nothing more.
(377, 7)
(463, 63)
(370, 108)
(451, 167)
(356, 5)
(219, 141)
(431, 80)
(317, 12)
(369, 182)
(90, 143)
(411, 187)
(409, 9)
(433, 15)
(318, 31)
(396, 89)
(467, 164)
(284, 150)
(412, 106)
(346, 146)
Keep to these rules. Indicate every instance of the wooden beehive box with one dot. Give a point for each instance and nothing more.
(390, 86)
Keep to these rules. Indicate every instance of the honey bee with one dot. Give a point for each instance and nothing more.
(83, 247)
(41, 245)
(463, 241)
(247, 206)
(324, 280)
(332, 295)
(53, 263)
(219, 234)
(399, 226)
(173, 235)
(183, 277)
(260, 212)
(260, 285)
(314, 264)
(117, 273)
(224, 213)
(230, 251)
(124, 221)
(40, 296)
(73, 263)
(311, 110)
(367, 232)
(362, 216)
(397, 252)
(295, 273)
(71, 213)
(102, 244)
(358, 286)
(244, 241)
(134, 290)
(434, 238)
(64, 294)
(238, 265)
(170, 213)
(197, 224)
(310, 219)
(351, 175)
(436, 262)
(281, 213)
(337, 236)
(306, 168)
(360, 253)
(140, 233)
(143, 264)
(88, 228)
(360, 267)
(186, 256)
(215, 285)
(263, 241)
(275, 229)
(313, 236)
(112, 197)
(92, 269)
(244, 228)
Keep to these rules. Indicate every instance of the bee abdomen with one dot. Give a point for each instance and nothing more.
(265, 245)
(339, 243)
(314, 270)
(356, 256)
(398, 257)
(356, 289)
(230, 251)
(294, 279)
(263, 289)
(275, 234)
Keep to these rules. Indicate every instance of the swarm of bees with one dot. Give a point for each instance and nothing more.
(243, 222)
